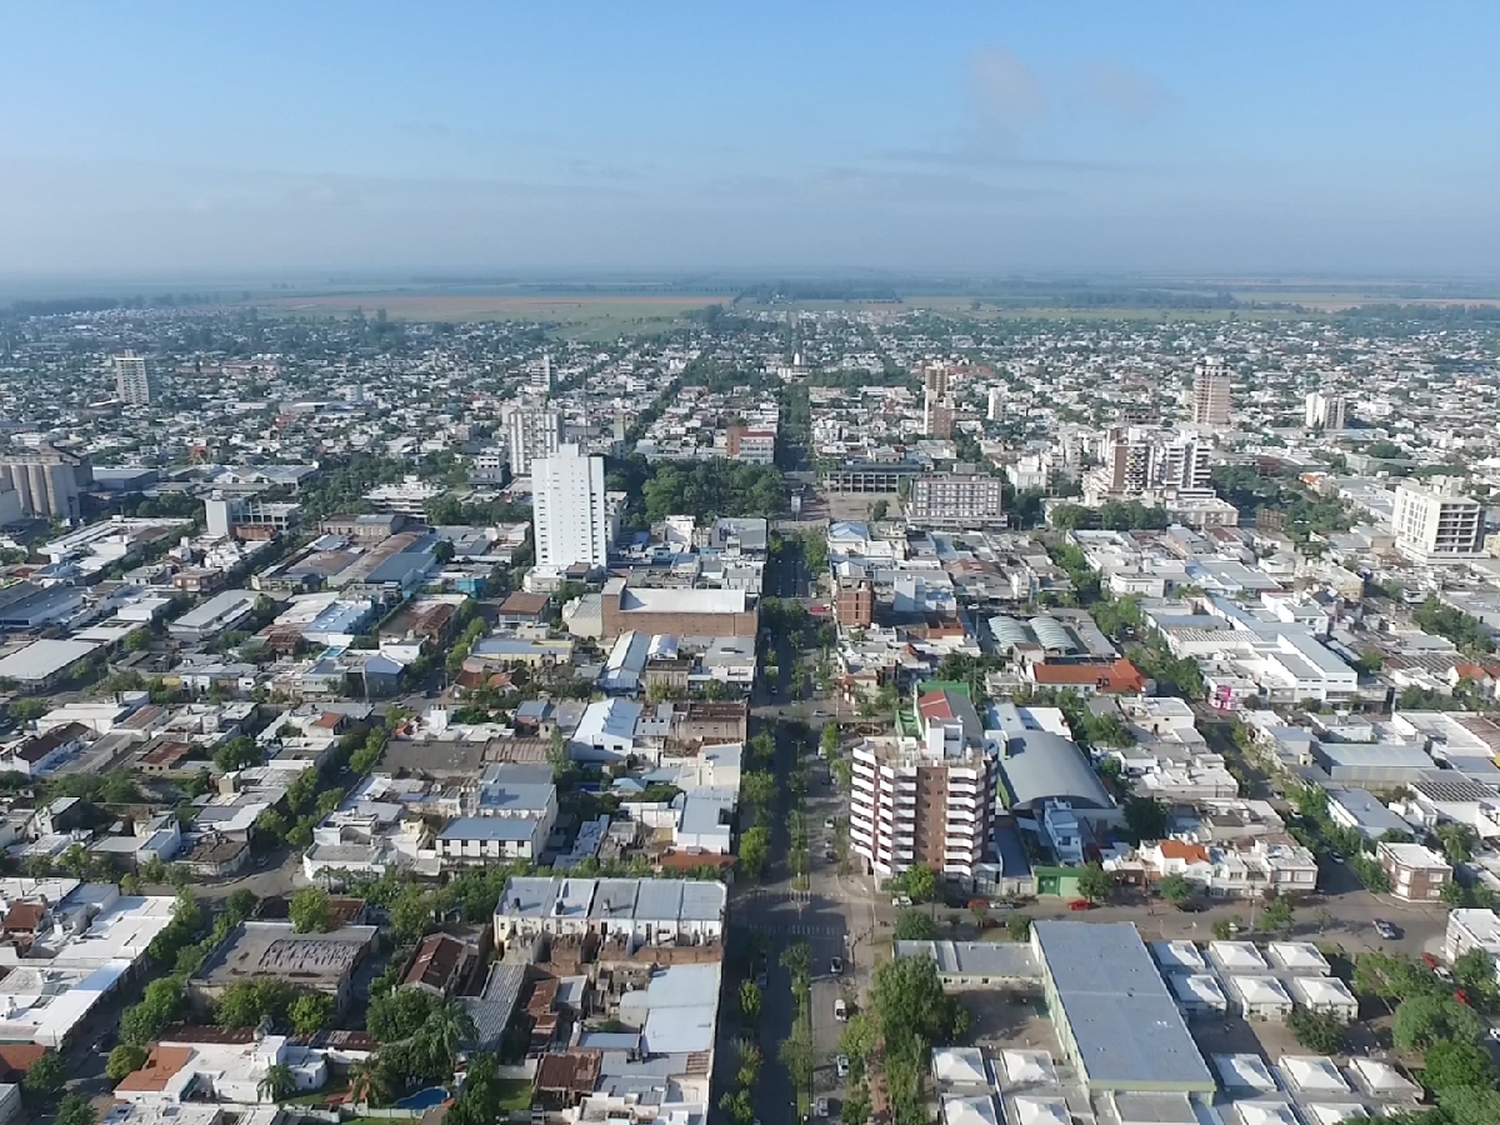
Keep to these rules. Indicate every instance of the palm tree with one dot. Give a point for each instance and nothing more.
(446, 1030)
(278, 1085)
(367, 1081)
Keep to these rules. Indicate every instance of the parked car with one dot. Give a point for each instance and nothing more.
(841, 1063)
(1430, 961)
(1387, 931)
(1443, 974)
(841, 1010)
(821, 1109)
(1080, 904)
(829, 823)
(836, 966)
(901, 900)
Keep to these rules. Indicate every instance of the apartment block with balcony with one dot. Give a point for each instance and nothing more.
(927, 802)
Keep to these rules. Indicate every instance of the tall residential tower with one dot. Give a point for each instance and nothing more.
(569, 509)
(132, 381)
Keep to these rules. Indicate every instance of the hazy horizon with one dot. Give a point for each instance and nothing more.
(1339, 140)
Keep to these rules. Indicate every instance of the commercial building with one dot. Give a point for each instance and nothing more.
(929, 804)
(682, 613)
(570, 510)
(1432, 525)
(956, 500)
(533, 433)
(220, 613)
(1211, 394)
(256, 951)
(1115, 1018)
(42, 484)
(132, 380)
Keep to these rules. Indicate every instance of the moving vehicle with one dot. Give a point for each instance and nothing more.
(841, 1010)
(841, 1063)
(836, 966)
(1387, 931)
(1336, 857)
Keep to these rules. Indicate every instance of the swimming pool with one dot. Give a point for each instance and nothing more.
(424, 1099)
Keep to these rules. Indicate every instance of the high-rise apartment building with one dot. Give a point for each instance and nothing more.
(935, 379)
(1433, 525)
(1325, 411)
(1181, 464)
(533, 431)
(930, 805)
(937, 415)
(956, 500)
(541, 377)
(132, 380)
(1210, 405)
(995, 410)
(569, 509)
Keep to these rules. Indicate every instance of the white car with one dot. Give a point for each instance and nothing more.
(1495, 1033)
(821, 1109)
(840, 1010)
(901, 900)
(841, 1063)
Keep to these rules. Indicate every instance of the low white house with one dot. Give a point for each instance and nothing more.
(1199, 994)
(1259, 998)
(1325, 994)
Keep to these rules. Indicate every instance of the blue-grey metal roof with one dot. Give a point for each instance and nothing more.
(1128, 1031)
(489, 828)
(1038, 765)
(491, 1009)
(659, 900)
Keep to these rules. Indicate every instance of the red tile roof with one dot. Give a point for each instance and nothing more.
(1119, 677)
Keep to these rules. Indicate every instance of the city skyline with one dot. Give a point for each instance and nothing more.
(1163, 138)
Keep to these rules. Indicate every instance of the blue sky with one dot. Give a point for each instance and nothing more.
(1315, 138)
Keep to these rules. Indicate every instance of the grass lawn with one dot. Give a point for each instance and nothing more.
(515, 1093)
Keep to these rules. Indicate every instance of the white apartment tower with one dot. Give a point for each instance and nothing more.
(1432, 525)
(996, 410)
(541, 378)
(132, 381)
(1210, 405)
(568, 508)
(533, 431)
(1325, 411)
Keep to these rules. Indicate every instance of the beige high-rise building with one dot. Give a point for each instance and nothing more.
(132, 380)
(1433, 525)
(1210, 405)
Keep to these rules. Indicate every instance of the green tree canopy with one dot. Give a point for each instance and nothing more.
(1424, 1020)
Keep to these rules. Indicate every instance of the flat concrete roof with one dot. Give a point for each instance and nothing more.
(274, 949)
